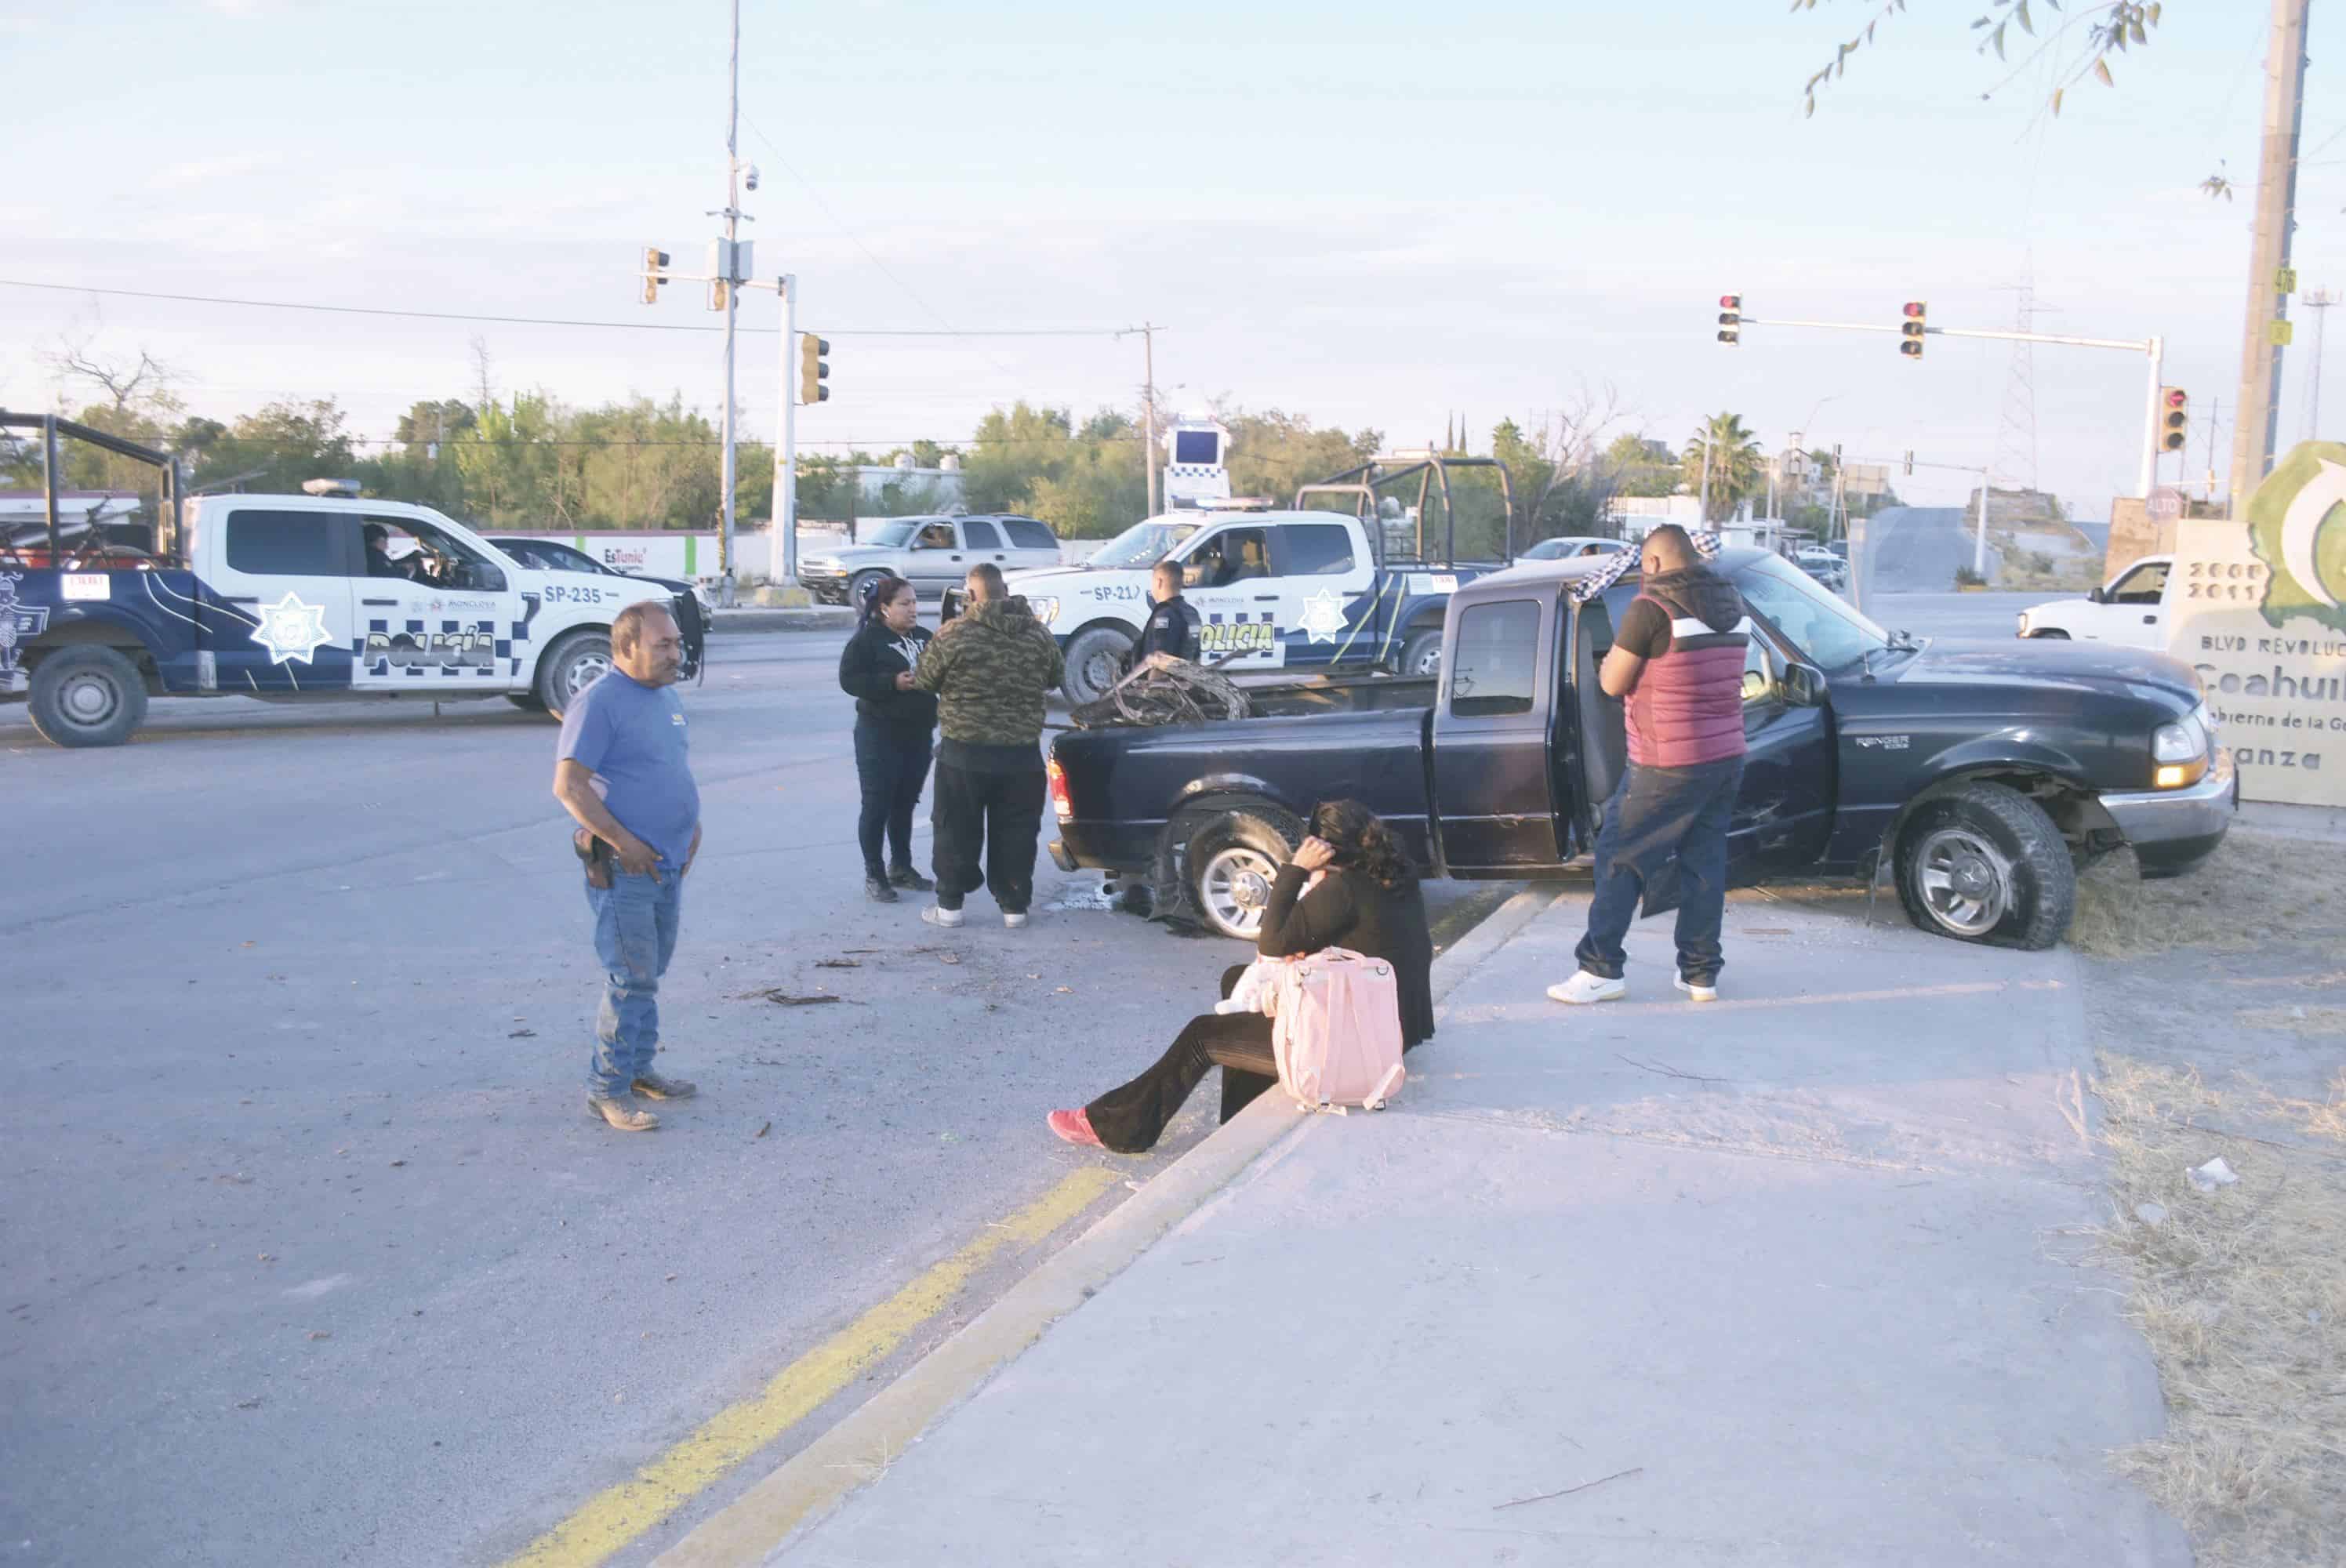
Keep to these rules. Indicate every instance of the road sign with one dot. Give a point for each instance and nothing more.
(2166, 503)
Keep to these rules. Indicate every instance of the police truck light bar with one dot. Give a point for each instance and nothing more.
(1730, 319)
(1910, 329)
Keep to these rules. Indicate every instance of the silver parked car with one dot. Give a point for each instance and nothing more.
(933, 552)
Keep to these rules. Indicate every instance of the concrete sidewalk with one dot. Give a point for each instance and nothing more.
(1791, 1278)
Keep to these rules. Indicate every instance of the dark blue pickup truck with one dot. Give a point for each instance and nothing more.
(1986, 772)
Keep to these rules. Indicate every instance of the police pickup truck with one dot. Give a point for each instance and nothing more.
(1984, 773)
(1274, 590)
(298, 598)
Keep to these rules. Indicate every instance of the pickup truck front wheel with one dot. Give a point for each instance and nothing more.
(1231, 861)
(570, 666)
(86, 695)
(1986, 864)
(1094, 662)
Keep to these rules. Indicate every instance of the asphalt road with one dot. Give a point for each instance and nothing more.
(1916, 549)
(311, 1254)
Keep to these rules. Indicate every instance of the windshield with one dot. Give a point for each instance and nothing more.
(1142, 544)
(1827, 633)
(895, 536)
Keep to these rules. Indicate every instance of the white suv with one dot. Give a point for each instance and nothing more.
(2130, 608)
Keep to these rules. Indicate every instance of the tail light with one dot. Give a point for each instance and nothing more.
(1062, 805)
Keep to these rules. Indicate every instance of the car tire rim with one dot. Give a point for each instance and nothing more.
(89, 700)
(1966, 881)
(590, 666)
(1099, 673)
(1429, 662)
(1235, 888)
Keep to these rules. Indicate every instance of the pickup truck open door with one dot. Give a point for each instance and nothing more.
(1493, 783)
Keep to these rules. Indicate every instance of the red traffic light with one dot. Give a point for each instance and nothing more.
(1731, 301)
(2176, 397)
(1916, 309)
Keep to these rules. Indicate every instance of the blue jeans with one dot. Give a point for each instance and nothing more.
(1658, 815)
(634, 936)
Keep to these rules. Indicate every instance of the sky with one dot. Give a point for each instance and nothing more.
(1372, 214)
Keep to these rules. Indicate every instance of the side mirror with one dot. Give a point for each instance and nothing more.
(1804, 686)
(2096, 597)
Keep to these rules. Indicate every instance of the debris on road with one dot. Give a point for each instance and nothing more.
(522, 1035)
(1567, 1491)
(781, 998)
(763, 1128)
(2213, 1175)
(839, 963)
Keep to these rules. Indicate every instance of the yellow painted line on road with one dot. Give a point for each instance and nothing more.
(612, 1518)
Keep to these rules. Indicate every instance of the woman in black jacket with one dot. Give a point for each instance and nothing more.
(1368, 901)
(895, 731)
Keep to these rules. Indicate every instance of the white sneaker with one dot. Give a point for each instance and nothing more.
(1695, 992)
(1017, 921)
(1584, 988)
(937, 915)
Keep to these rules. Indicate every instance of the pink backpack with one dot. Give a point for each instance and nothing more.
(1336, 1030)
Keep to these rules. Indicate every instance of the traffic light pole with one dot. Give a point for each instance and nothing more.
(2154, 347)
(782, 568)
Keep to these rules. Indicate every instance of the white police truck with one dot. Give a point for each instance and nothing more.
(290, 598)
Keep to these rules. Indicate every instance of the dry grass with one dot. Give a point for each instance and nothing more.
(2319, 1022)
(2253, 889)
(2241, 1294)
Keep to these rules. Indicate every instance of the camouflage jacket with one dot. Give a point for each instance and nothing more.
(990, 667)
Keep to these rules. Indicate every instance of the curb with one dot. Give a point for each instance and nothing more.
(824, 619)
(821, 1475)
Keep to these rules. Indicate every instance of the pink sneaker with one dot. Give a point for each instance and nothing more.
(1076, 1126)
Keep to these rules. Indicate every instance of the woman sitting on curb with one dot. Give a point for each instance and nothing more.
(1368, 901)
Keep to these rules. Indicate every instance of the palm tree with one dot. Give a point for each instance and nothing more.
(1732, 455)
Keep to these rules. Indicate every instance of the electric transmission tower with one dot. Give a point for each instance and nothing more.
(2318, 300)
(2014, 464)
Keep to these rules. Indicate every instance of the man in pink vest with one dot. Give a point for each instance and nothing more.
(1678, 659)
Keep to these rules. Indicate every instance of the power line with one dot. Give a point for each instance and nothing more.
(556, 321)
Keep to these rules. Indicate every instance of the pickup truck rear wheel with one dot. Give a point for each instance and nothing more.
(86, 695)
(572, 665)
(1986, 864)
(1096, 659)
(1421, 654)
(1230, 863)
(2050, 634)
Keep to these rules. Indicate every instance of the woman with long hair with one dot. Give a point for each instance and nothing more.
(1367, 901)
(895, 732)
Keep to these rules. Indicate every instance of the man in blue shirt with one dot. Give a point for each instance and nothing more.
(621, 768)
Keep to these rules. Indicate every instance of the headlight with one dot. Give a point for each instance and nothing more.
(2022, 630)
(2183, 742)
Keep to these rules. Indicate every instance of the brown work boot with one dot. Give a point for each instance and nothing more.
(623, 1116)
(660, 1088)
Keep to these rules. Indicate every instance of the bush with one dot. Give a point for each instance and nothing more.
(1967, 578)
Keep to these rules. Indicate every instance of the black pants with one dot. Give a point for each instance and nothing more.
(998, 815)
(892, 760)
(1130, 1118)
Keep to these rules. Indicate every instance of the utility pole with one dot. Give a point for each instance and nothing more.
(1148, 407)
(2254, 425)
(1705, 519)
(2213, 404)
(732, 271)
(2319, 302)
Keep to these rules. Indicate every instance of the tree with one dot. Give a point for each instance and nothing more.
(1733, 456)
(1641, 466)
(2112, 27)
